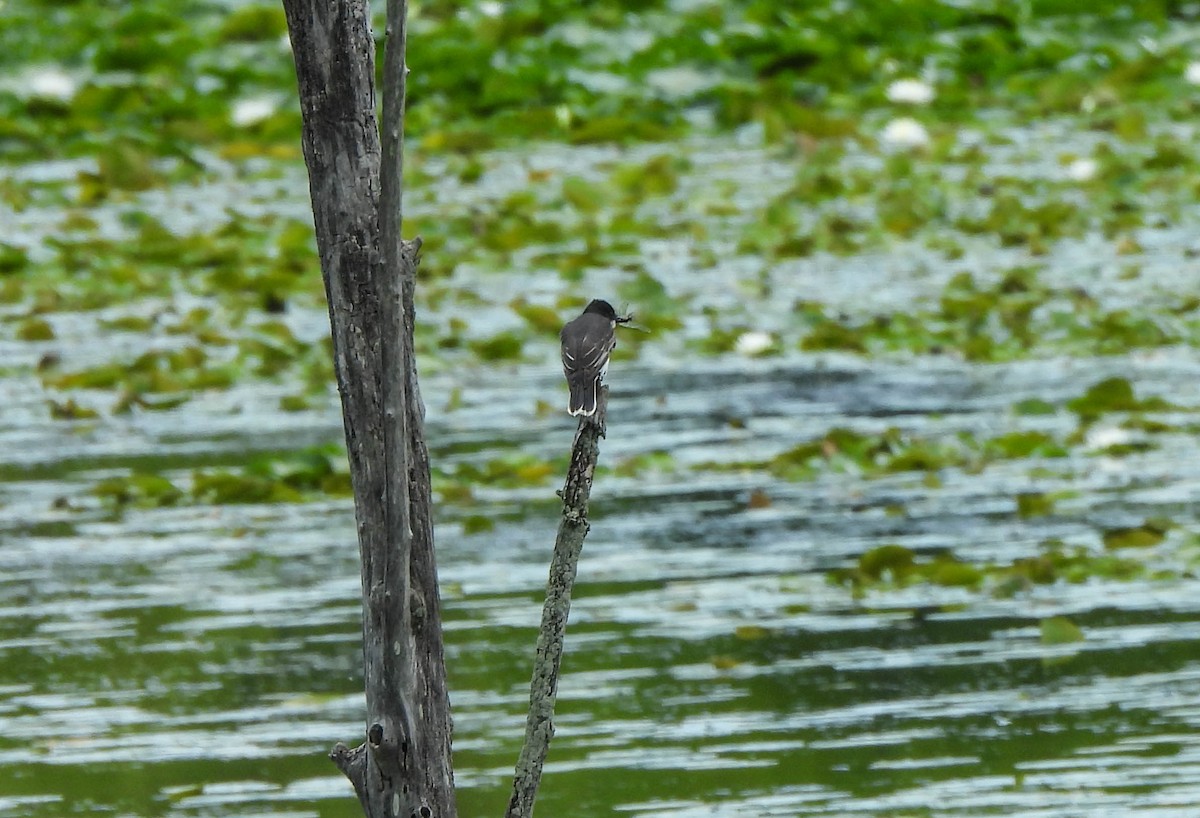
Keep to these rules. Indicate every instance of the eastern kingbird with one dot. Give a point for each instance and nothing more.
(586, 344)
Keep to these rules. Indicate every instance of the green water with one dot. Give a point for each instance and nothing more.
(200, 661)
(896, 514)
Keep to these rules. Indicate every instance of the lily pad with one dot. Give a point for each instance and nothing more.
(1059, 630)
(1143, 536)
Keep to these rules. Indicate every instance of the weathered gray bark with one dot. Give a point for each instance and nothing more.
(543, 688)
(403, 768)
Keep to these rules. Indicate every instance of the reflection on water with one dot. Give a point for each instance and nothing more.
(201, 661)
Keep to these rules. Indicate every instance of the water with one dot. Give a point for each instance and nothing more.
(200, 661)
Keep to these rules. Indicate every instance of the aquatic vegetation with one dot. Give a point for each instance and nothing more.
(897, 565)
(544, 320)
(1016, 317)
(289, 478)
(71, 410)
(641, 465)
(35, 329)
(500, 347)
(894, 450)
(1113, 395)
(153, 373)
(12, 259)
(138, 490)
(1059, 630)
(509, 471)
(216, 302)
(910, 299)
(892, 566)
(1034, 504)
(1149, 533)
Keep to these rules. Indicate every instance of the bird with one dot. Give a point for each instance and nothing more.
(587, 341)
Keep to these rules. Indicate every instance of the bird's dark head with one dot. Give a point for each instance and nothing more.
(601, 308)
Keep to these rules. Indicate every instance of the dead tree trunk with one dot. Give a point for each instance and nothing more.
(403, 767)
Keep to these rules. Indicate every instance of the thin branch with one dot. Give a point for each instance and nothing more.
(397, 357)
(543, 689)
(391, 133)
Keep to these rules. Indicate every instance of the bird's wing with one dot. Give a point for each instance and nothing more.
(597, 352)
(588, 352)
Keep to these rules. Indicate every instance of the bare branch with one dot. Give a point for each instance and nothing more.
(543, 688)
(397, 359)
(396, 268)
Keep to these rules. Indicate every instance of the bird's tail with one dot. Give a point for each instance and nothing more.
(583, 397)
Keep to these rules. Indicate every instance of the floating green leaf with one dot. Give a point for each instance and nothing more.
(1034, 504)
(1146, 535)
(35, 329)
(894, 560)
(1059, 630)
